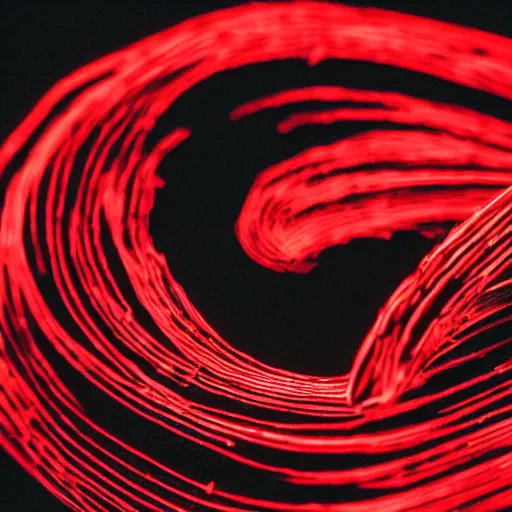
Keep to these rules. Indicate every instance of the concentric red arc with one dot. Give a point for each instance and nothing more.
(451, 165)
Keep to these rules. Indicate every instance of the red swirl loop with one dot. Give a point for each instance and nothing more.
(451, 165)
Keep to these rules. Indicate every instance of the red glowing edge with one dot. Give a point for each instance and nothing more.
(454, 166)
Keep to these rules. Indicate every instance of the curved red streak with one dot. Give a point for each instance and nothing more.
(456, 457)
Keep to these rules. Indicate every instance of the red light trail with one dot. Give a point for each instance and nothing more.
(451, 165)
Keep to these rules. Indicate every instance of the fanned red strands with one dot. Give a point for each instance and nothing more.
(454, 166)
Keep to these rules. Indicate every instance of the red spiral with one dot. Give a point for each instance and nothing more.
(451, 165)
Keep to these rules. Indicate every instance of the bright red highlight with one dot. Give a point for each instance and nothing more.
(454, 166)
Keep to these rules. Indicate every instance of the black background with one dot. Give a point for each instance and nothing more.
(312, 323)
